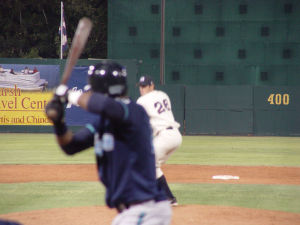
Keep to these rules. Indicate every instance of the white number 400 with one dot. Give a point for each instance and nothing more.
(279, 99)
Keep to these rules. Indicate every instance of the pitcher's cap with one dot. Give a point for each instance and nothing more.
(145, 81)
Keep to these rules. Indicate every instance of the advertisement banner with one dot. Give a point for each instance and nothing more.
(25, 91)
(25, 94)
(18, 107)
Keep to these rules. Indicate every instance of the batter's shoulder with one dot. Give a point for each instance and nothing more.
(139, 106)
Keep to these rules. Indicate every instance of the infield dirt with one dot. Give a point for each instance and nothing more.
(185, 214)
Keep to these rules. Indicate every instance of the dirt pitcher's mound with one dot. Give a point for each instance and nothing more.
(182, 215)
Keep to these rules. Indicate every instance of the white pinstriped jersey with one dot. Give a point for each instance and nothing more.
(158, 107)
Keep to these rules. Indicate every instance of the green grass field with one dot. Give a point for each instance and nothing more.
(199, 150)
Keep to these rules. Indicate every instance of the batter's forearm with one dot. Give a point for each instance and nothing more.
(64, 139)
(72, 143)
(77, 142)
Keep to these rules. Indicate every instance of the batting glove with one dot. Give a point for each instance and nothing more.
(62, 93)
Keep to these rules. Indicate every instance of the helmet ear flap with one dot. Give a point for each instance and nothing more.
(108, 78)
(116, 90)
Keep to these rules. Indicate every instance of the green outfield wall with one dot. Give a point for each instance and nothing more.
(219, 109)
(276, 110)
(242, 110)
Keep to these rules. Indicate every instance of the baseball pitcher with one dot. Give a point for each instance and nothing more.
(166, 136)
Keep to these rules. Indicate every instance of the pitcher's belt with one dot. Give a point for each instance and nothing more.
(167, 128)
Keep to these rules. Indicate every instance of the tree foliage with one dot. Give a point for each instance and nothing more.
(29, 28)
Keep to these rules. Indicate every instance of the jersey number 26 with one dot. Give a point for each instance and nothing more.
(162, 106)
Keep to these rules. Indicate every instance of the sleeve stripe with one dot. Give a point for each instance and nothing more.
(126, 111)
(91, 128)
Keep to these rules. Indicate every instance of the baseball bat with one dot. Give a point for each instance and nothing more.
(79, 40)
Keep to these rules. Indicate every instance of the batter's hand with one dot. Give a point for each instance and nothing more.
(55, 110)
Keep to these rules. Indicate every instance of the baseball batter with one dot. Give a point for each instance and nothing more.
(122, 140)
(166, 136)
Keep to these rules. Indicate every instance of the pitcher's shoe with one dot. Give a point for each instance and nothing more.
(173, 202)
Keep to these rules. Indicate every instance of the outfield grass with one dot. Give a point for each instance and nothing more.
(45, 195)
(258, 196)
(199, 150)
(240, 151)
(37, 149)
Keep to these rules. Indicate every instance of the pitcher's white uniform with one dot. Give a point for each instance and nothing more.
(166, 136)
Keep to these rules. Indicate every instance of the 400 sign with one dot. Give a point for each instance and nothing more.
(279, 99)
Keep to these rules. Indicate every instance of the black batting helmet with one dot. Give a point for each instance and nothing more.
(108, 77)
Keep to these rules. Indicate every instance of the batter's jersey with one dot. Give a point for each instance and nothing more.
(158, 106)
(124, 152)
